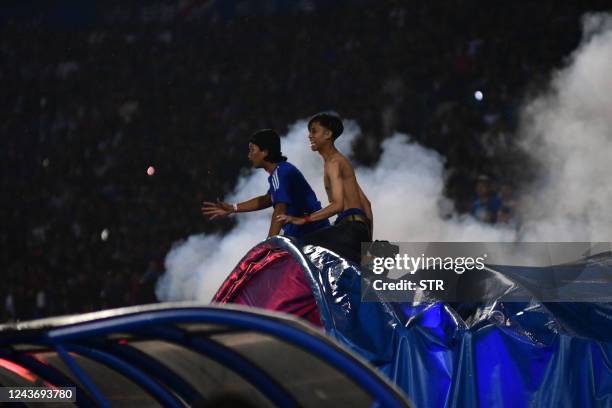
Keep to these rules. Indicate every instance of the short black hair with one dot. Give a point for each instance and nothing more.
(268, 139)
(329, 120)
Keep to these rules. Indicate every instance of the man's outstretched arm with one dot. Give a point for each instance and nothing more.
(222, 209)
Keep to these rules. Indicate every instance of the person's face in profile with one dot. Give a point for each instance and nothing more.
(256, 155)
(318, 135)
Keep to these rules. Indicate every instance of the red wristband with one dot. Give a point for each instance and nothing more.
(307, 218)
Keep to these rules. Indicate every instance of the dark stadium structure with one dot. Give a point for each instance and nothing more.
(176, 355)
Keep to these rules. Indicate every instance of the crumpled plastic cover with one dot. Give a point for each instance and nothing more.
(270, 278)
(500, 353)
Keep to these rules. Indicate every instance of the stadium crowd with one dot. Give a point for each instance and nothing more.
(88, 107)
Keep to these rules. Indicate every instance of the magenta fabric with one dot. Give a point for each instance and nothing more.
(269, 278)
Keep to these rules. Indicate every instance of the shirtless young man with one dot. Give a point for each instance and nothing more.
(355, 220)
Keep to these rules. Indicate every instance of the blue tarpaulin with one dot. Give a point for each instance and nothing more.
(501, 354)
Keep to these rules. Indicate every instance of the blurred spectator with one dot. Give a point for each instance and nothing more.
(507, 213)
(487, 204)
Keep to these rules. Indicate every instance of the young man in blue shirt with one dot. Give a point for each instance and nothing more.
(289, 192)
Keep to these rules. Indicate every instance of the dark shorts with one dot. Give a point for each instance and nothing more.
(344, 239)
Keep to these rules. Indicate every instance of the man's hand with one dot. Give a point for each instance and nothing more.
(287, 219)
(216, 210)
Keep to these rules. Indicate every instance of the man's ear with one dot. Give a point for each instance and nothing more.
(330, 133)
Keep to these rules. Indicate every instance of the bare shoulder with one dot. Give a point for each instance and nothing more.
(344, 164)
(333, 163)
(338, 163)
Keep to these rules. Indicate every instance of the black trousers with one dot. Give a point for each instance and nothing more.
(344, 239)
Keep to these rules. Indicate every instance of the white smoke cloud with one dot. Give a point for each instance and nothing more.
(405, 188)
(568, 128)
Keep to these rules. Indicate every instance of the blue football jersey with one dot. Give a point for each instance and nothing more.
(288, 185)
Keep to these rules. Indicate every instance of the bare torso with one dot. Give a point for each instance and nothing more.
(353, 196)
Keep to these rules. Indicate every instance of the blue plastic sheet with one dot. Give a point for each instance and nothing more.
(499, 354)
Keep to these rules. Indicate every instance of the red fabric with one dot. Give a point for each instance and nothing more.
(269, 278)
